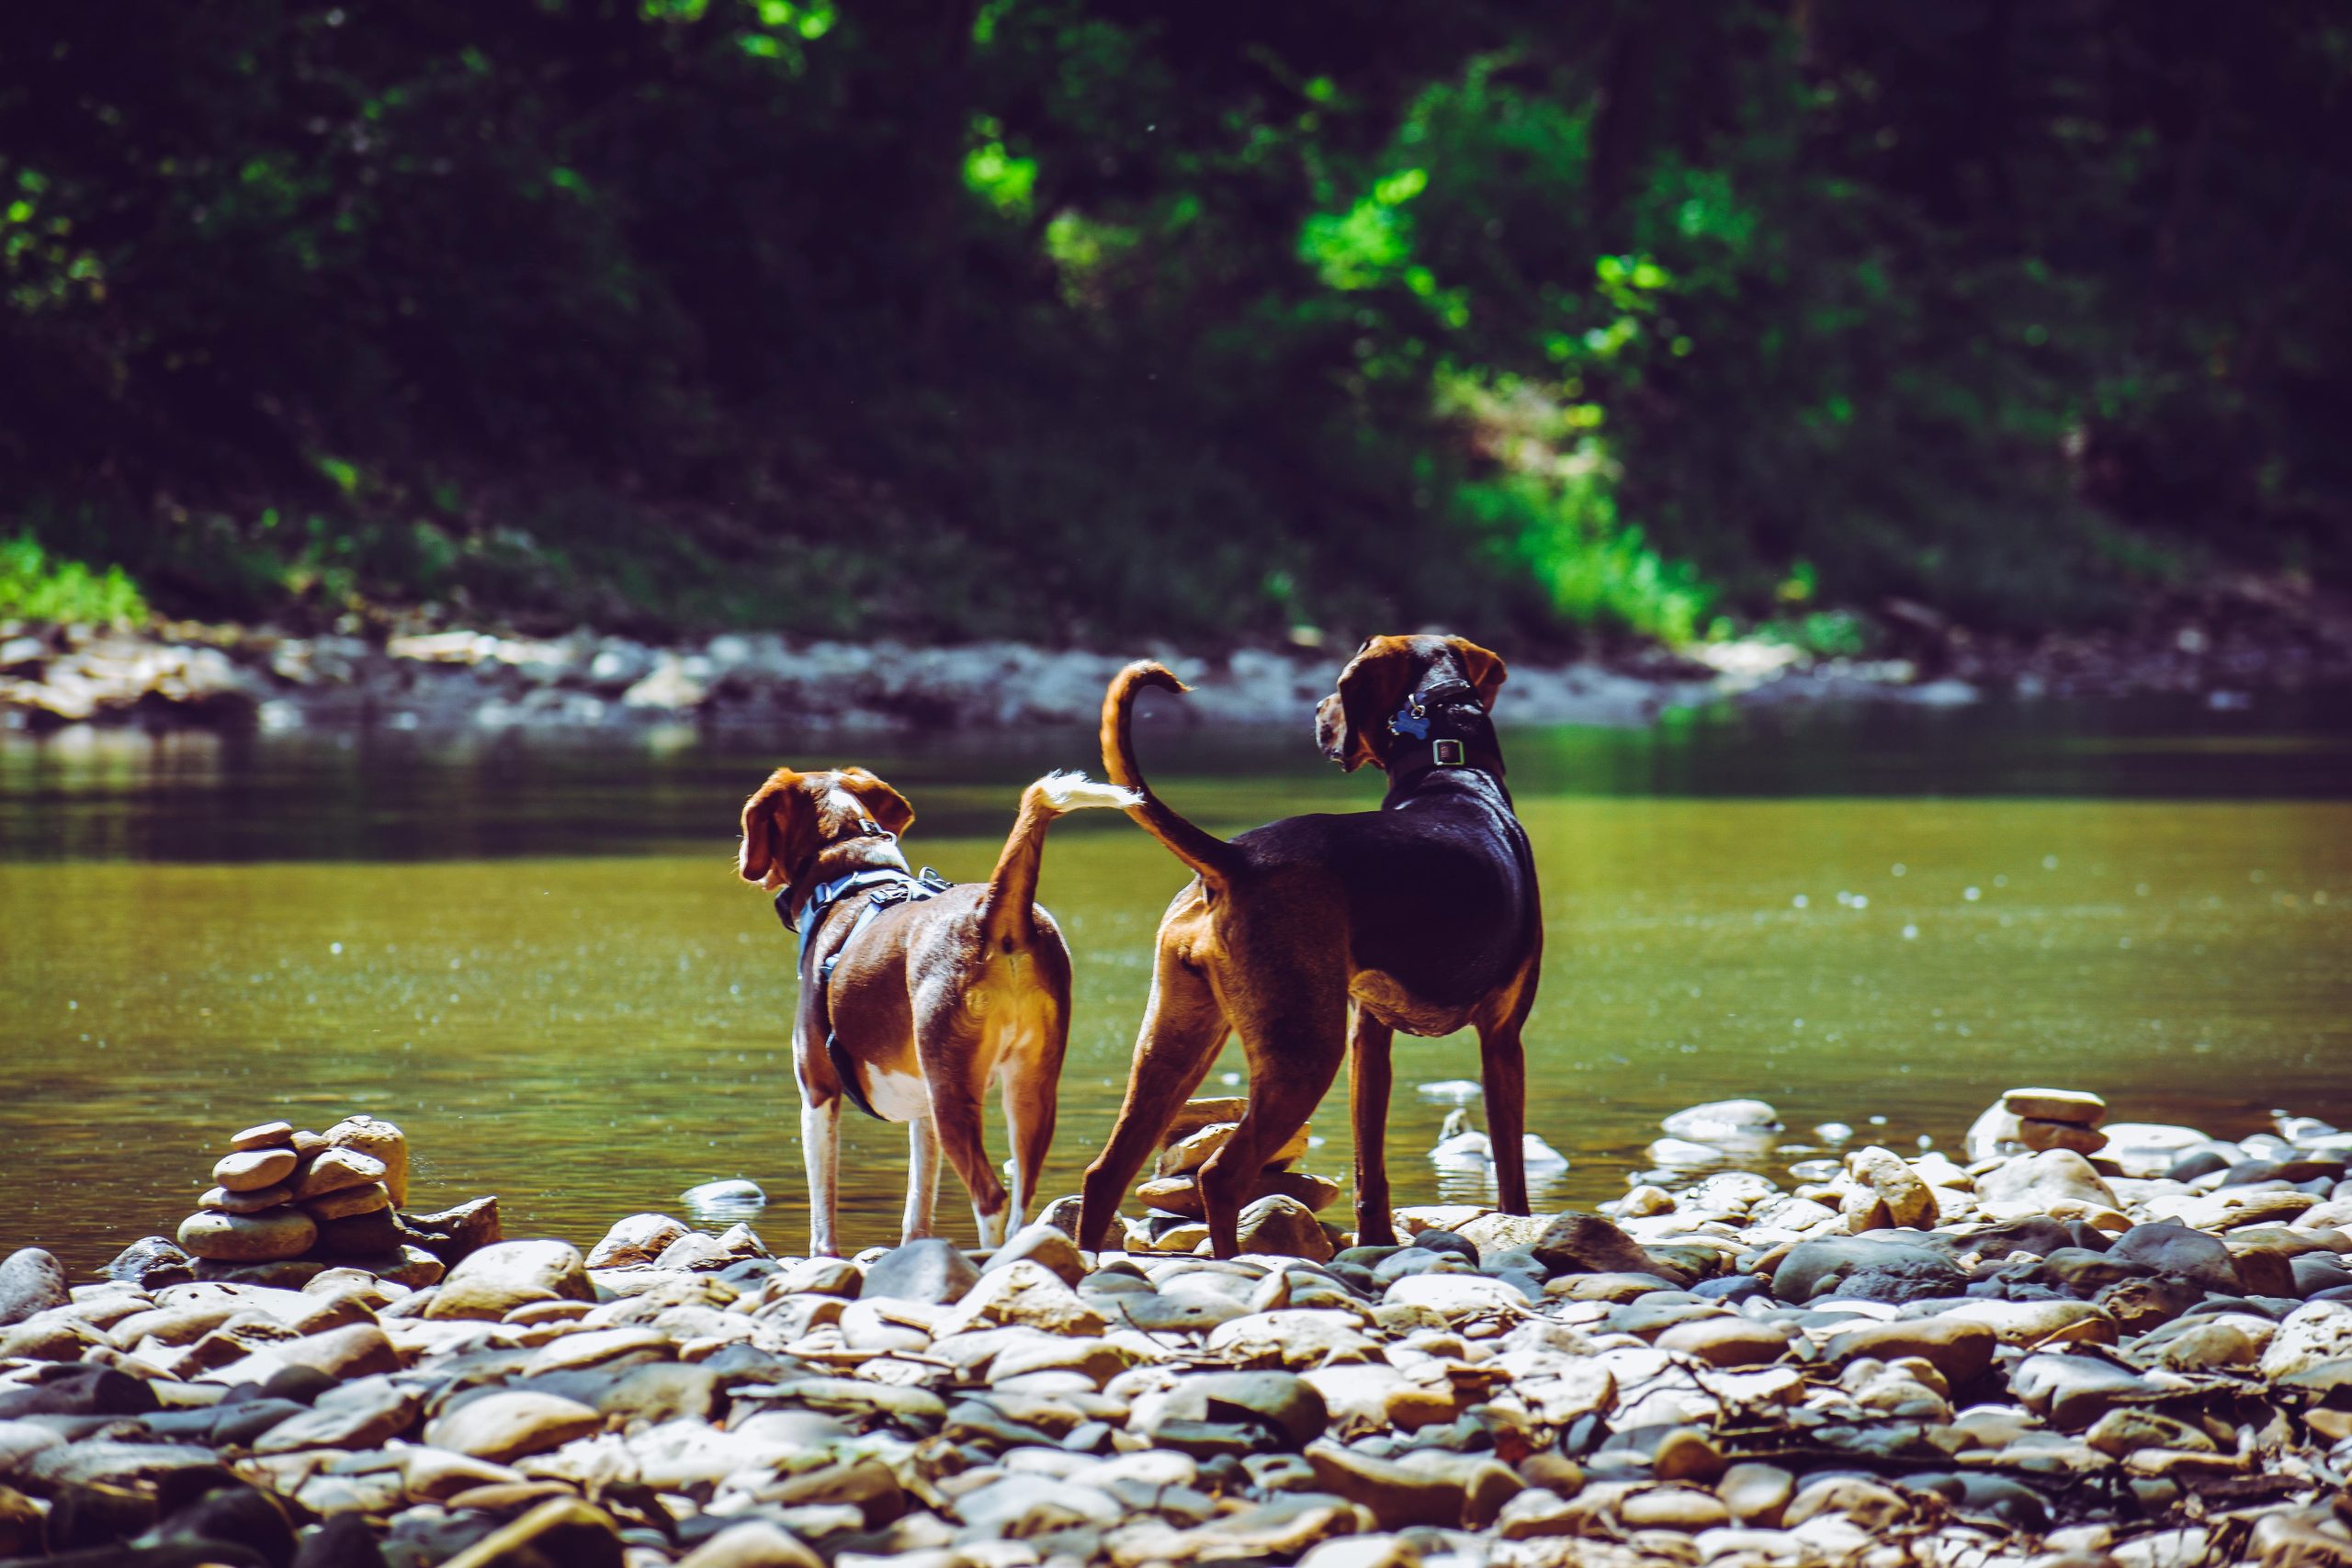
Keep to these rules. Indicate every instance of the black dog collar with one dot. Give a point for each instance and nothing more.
(1442, 726)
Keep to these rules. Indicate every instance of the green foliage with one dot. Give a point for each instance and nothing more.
(1370, 243)
(1548, 512)
(1598, 570)
(35, 585)
(1824, 634)
(1076, 318)
(995, 175)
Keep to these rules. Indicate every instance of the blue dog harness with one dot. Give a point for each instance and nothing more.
(883, 885)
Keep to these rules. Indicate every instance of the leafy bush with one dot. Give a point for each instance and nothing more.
(38, 586)
(1086, 318)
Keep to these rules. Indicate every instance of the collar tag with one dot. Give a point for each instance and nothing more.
(1412, 720)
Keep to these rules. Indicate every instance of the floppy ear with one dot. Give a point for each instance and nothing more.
(884, 805)
(1371, 685)
(1481, 668)
(1330, 728)
(769, 817)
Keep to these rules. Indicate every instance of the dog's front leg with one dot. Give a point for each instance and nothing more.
(1504, 1062)
(923, 1178)
(1368, 1083)
(821, 1145)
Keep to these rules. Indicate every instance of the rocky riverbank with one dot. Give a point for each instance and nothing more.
(2231, 641)
(467, 680)
(2088, 1345)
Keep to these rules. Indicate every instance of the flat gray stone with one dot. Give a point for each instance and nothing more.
(1959, 1351)
(2052, 1176)
(2177, 1252)
(512, 1424)
(2071, 1391)
(150, 1263)
(1873, 1267)
(103, 1462)
(1156, 1314)
(1045, 1245)
(1576, 1243)
(362, 1413)
(1283, 1403)
(933, 1269)
(30, 1281)
(638, 1239)
(1282, 1226)
(494, 1281)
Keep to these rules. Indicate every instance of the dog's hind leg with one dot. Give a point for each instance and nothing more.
(1285, 988)
(1183, 1027)
(821, 1148)
(1368, 1083)
(923, 1178)
(1294, 1052)
(957, 1080)
(1032, 1081)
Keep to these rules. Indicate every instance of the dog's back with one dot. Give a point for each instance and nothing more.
(1436, 897)
(1436, 893)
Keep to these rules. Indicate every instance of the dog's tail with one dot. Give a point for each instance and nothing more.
(1012, 886)
(1204, 851)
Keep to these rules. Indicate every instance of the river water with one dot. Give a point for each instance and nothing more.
(535, 957)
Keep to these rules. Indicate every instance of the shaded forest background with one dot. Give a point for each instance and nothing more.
(1077, 319)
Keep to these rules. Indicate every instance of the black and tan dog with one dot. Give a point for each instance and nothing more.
(917, 995)
(1317, 935)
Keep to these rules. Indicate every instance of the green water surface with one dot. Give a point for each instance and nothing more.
(537, 960)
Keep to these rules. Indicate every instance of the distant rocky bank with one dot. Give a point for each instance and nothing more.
(2090, 1346)
(2224, 649)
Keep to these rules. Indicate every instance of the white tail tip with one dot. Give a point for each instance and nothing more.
(1076, 792)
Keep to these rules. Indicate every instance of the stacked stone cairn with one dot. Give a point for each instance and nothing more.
(1278, 1213)
(287, 1204)
(2138, 1357)
(2033, 1120)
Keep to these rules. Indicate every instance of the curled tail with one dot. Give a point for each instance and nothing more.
(1209, 855)
(1013, 886)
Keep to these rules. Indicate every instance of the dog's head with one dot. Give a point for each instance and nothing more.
(790, 819)
(1351, 724)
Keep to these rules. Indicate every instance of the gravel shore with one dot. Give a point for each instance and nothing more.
(2138, 1355)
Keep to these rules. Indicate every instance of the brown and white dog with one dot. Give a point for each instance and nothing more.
(916, 996)
(1315, 935)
